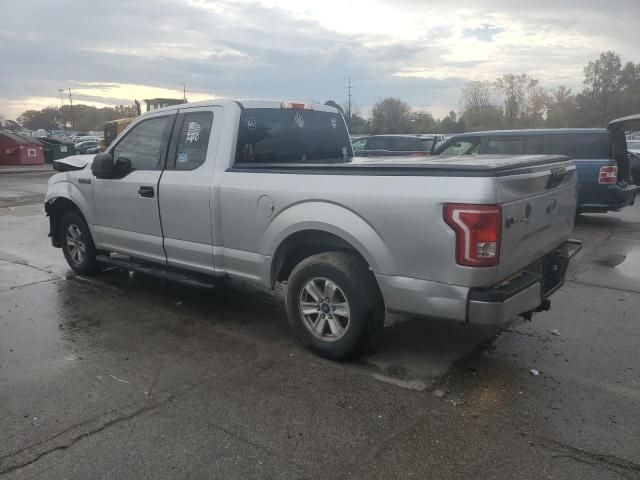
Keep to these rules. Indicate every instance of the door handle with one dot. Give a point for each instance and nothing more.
(146, 192)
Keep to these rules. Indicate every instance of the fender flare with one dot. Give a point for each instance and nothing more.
(70, 192)
(331, 218)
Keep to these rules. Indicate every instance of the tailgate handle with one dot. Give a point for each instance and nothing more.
(557, 176)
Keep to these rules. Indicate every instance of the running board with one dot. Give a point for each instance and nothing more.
(155, 271)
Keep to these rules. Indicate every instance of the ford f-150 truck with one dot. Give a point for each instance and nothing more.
(267, 192)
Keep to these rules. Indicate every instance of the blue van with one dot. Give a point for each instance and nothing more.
(600, 154)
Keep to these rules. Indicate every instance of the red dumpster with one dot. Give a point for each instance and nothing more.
(16, 149)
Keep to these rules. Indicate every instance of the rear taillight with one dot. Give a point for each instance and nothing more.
(478, 229)
(608, 175)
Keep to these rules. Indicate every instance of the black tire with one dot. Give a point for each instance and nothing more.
(360, 291)
(85, 264)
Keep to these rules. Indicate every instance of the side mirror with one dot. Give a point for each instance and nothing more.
(123, 167)
(103, 166)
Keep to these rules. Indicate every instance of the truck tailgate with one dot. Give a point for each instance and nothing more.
(538, 213)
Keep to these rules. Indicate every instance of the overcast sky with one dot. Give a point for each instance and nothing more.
(112, 52)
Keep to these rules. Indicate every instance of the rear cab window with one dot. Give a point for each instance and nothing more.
(273, 135)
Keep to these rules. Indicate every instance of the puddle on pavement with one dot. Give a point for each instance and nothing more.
(630, 265)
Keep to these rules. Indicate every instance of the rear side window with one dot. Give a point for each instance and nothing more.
(506, 146)
(193, 140)
(274, 135)
(559, 145)
(579, 145)
(592, 146)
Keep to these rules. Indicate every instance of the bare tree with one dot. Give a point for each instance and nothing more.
(514, 89)
(480, 106)
(602, 81)
(535, 109)
(478, 96)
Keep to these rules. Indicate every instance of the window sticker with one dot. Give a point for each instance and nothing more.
(334, 123)
(193, 132)
(299, 120)
(344, 152)
(182, 158)
(251, 124)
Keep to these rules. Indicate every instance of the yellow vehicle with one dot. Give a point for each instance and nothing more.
(114, 128)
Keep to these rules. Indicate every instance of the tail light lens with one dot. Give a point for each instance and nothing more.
(608, 175)
(478, 229)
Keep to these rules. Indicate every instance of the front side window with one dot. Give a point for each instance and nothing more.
(143, 144)
(281, 135)
(193, 140)
(359, 144)
(469, 146)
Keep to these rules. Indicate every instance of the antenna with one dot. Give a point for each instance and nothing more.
(349, 106)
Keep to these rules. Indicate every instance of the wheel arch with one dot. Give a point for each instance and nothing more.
(288, 239)
(63, 198)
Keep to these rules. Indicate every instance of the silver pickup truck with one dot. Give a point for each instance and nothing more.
(269, 192)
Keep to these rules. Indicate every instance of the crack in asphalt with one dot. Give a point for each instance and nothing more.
(17, 465)
(617, 465)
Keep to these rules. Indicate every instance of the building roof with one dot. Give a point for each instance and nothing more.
(20, 139)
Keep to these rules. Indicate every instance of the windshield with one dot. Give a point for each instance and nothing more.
(270, 135)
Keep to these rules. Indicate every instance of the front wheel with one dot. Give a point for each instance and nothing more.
(334, 305)
(77, 244)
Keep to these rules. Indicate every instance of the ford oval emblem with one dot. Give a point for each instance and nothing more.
(552, 206)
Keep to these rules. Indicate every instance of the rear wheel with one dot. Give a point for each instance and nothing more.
(77, 244)
(334, 305)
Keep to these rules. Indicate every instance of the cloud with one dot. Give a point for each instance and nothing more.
(484, 33)
(120, 50)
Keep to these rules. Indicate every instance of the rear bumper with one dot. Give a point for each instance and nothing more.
(523, 292)
(615, 197)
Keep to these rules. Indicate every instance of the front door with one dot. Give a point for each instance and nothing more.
(127, 212)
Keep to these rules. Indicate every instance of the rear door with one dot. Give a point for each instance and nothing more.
(185, 195)
(127, 215)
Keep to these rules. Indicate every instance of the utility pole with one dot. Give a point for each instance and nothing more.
(349, 106)
(71, 106)
(61, 99)
(184, 92)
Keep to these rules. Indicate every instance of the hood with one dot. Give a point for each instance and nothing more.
(74, 162)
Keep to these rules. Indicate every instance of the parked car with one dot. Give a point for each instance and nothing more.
(267, 192)
(393, 145)
(603, 176)
(85, 146)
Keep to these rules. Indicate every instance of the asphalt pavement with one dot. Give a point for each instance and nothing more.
(119, 376)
